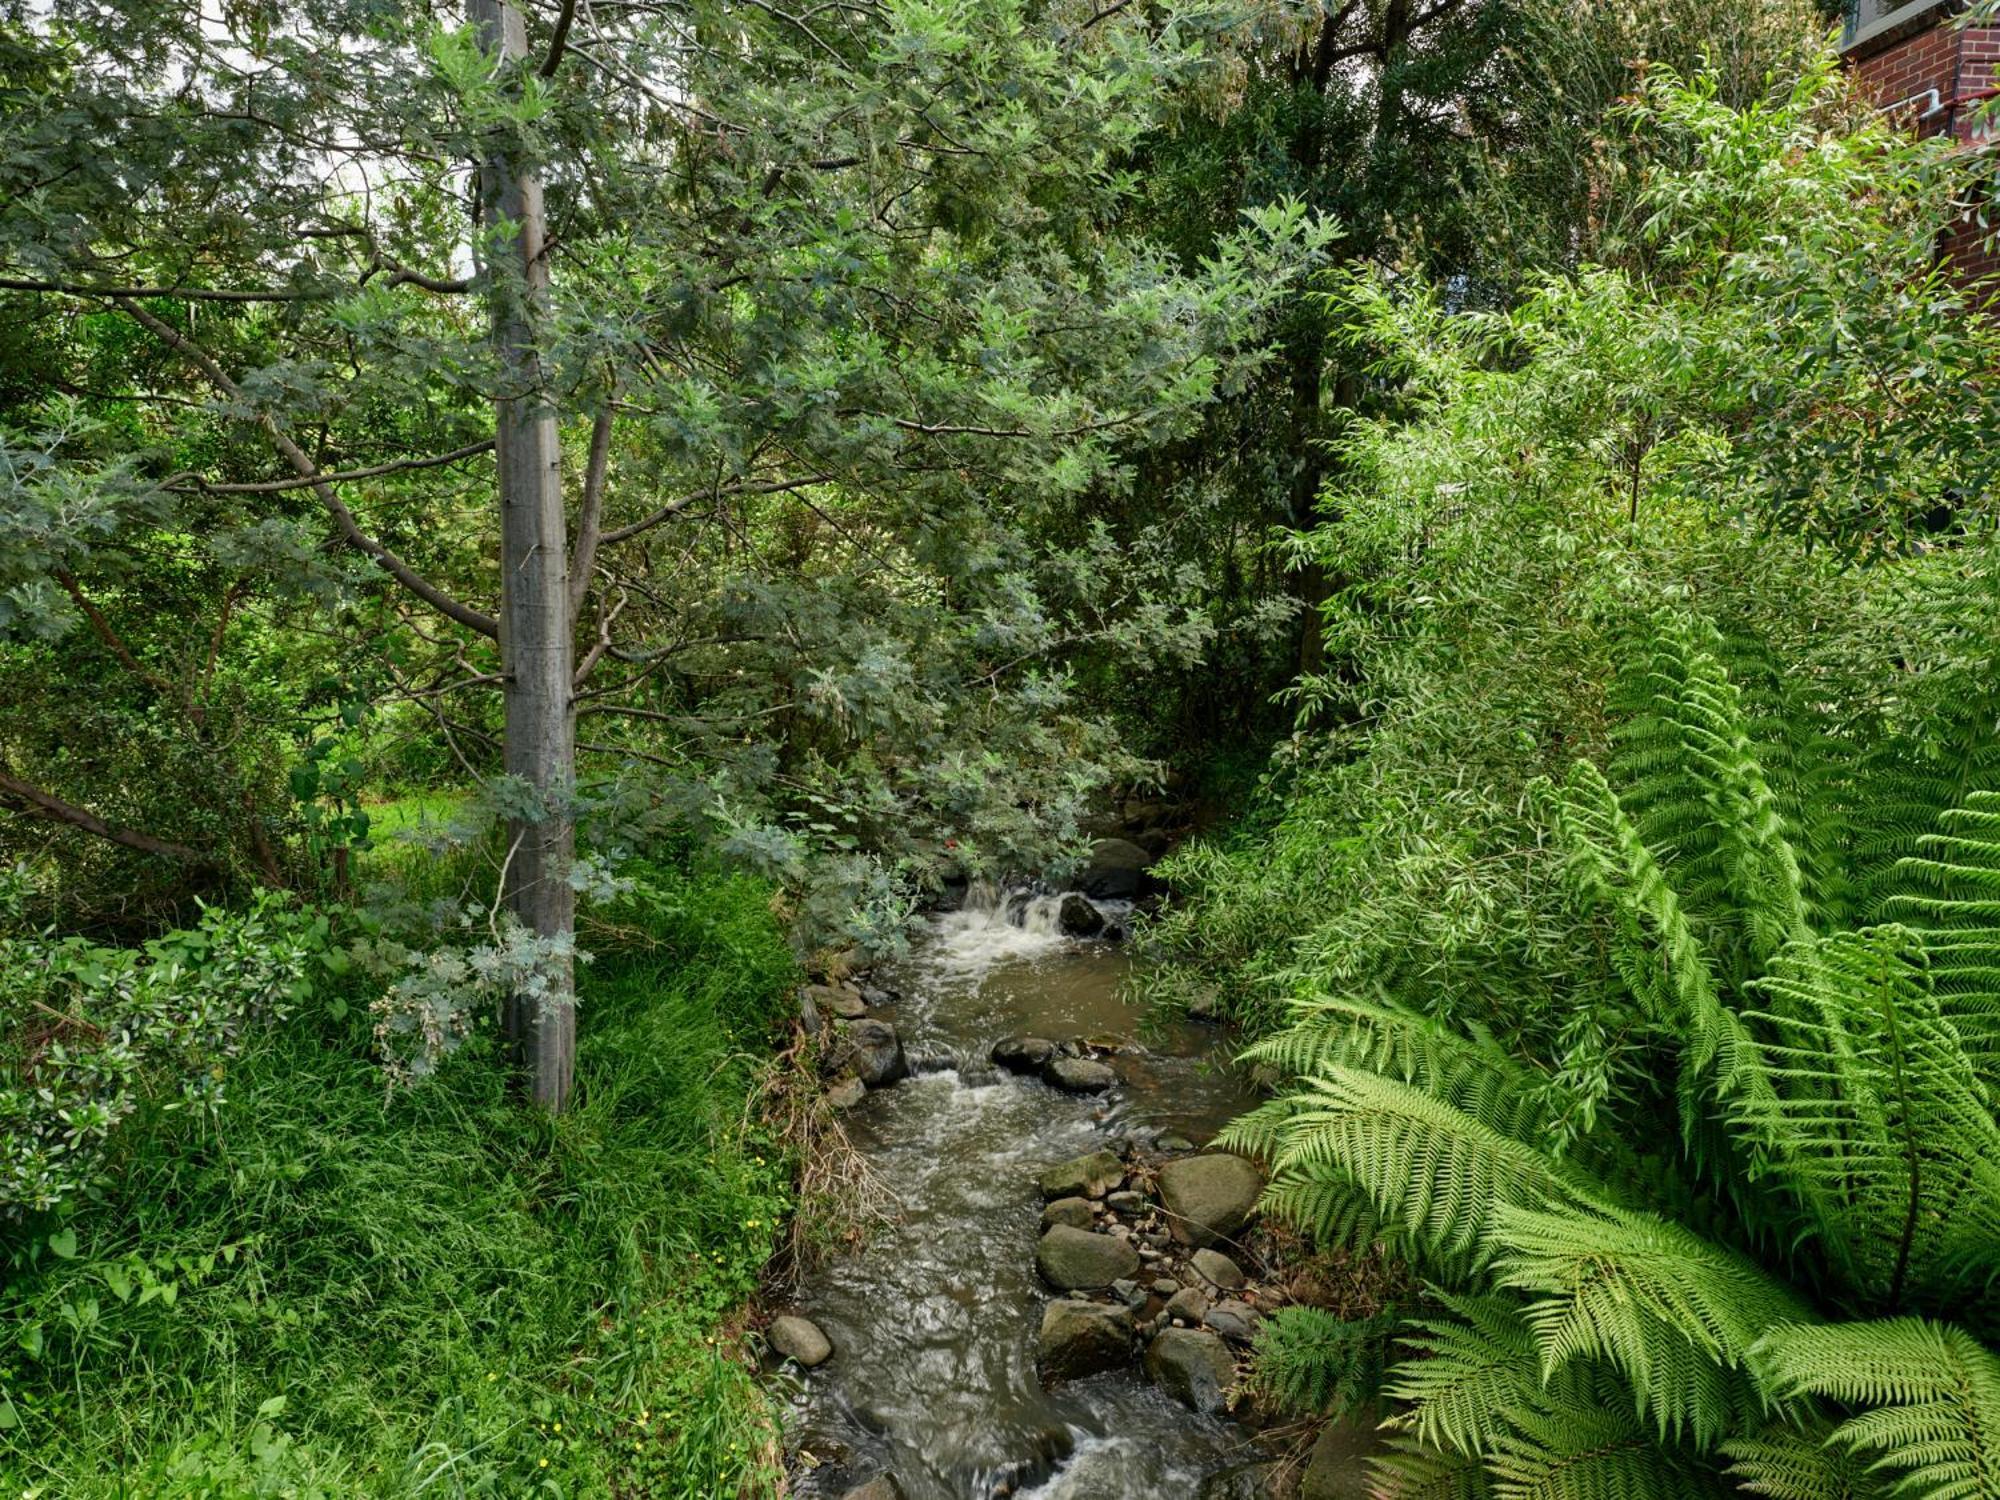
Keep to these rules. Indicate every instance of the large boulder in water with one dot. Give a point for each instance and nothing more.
(881, 1487)
(1082, 1338)
(1209, 1198)
(1117, 871)
(1193, 1366)
(870, 1050)
(1075, 1212)
(1023, 1054)
(1089, 1176)
(1079, 1075)
(1077, 917)
(800, 1339)
(1075, 1260)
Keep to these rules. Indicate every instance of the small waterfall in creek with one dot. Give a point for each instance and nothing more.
(1003, 925)
(934, 1319)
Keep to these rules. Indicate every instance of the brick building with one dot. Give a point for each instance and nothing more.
(1937, 77)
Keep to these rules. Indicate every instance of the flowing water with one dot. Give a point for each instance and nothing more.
(934, 1320)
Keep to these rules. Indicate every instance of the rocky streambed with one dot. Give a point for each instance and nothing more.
(1061, 1301)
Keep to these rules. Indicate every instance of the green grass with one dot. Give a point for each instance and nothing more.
(440, 1293)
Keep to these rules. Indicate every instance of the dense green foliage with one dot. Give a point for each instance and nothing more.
(1554, 409)
(1630, 945)
(316, 1290)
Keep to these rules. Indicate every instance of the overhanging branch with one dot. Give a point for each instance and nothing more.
(48, 805)
(308, 471)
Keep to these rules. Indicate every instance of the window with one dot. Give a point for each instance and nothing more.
(1867, 19)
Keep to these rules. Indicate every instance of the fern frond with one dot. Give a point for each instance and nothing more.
(1675, 1315)
(1655, 948)
(1432, 1170)
(1466, 1068)
(1477, 1365)
(1790, 1463)
(1604, 1454)
(1876, 1122)
(1949, 890)
(1410, 1471)
(1933, 1393)
(1325, 1203)
(1311, 1363)
(1696, 787)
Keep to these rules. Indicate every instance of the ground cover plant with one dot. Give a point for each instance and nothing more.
(317, 1288)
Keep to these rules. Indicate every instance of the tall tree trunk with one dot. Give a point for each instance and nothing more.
(535, 642)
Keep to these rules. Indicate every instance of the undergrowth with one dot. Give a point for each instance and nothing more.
(327, 1291)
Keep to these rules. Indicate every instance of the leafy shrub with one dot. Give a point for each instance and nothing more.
(90, 1035)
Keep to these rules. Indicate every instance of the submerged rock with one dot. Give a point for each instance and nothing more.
(1218, 1269)
(1075, 1212)
(1023, 1054)
(1193, 1366)
(870, 1050)
(1244, 1482)
(800, 1339)
(1077, 1260)
(1209, 1198)
(1089, 1176)
(1079, 1075)
(1082, 1338)
(1077, 917)
(881, 1487)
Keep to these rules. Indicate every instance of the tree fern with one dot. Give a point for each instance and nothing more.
(1931, 1393)
(1608, 1295)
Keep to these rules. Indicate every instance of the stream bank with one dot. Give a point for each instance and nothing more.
(1041, 1315)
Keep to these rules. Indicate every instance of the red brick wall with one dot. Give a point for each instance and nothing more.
(1963, 66)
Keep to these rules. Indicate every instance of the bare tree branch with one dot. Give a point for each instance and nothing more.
(674, 507)
(48, 805)
(272, 486)
(183, 293)
(560, 40)
(590, 521)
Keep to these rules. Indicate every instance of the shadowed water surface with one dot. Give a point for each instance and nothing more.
(934, 1320)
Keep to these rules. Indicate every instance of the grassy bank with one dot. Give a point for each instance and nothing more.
(327, 1292)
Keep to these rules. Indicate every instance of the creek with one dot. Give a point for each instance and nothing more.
(934, 1318)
